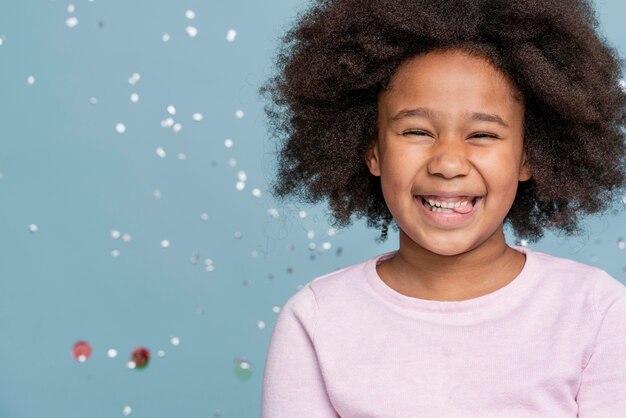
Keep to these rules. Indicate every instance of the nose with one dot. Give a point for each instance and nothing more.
(449, 159)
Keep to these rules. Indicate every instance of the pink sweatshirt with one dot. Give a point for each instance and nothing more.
(551, 343)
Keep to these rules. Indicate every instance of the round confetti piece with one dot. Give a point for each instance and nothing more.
(231, 35)
(165, 243)
(192, 31)
(30, 80)
(239, 114)
(190, 14)
(134, 78)
(243, 369)
(127, 410)
(81, 351)
(120, 128)
(111, 353)
(165, 37)
(115, 253)
(140, 357)
(33, 228)
(71, 22)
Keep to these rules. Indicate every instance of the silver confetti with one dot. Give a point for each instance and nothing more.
(120, 128)
(71, 22)
(134, 78)
(231, 35)
(192, 31)
(190, 14)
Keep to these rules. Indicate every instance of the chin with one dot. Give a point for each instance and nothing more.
(446, 247)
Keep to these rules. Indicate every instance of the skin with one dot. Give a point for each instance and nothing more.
(446, 152)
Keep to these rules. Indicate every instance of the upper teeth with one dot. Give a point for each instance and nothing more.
(448, 205)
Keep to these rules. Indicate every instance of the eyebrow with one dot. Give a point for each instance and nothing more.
(429, 113)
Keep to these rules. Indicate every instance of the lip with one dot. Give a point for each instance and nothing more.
(451, 194)
(448, 219)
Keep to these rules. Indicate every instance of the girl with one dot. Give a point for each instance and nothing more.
(447, 119)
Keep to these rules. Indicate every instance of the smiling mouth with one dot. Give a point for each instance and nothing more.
(462, 209)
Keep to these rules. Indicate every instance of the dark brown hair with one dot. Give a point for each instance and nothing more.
(341, 53)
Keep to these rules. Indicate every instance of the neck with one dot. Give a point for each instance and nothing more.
(420, 271)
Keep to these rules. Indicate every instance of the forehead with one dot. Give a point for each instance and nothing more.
(453, 82)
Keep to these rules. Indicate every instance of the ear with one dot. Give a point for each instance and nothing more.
(372, 159)
(525, 172)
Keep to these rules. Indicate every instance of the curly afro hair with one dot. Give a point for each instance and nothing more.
(341, 53)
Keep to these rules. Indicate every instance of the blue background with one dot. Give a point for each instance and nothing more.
(65, 169)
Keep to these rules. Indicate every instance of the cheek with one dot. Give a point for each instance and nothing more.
(398, 172)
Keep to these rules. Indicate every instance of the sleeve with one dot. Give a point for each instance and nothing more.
(292, 384)
(602, 392)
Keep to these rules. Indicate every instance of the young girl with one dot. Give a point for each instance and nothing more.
(448, 119)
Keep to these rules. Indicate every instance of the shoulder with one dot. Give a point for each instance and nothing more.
(340, 288)
(575, 277)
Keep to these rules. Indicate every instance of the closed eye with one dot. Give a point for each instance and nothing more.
(478, 135)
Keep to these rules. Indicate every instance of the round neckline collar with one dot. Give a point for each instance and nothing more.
(436, 306)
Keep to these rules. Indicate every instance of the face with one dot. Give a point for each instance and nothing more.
(449, 130)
